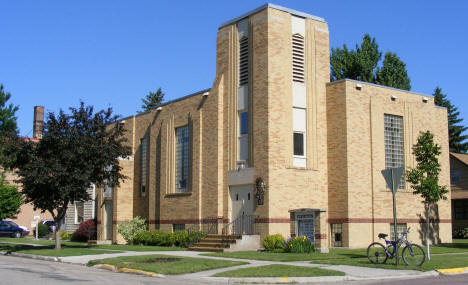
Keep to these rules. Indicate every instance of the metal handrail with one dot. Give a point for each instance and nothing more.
(207, 225)
(243, 225)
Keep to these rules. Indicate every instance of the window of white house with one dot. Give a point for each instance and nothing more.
(400, 229)
(394, 153)
(79, 212)
(182, 158)
(143, 165)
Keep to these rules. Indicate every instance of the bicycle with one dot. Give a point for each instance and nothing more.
(412, 254)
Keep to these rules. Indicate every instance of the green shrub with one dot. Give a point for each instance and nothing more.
(460, 233)
(129, 230)
(160, 238)
(272, 242)
(299, 244)
(63, 235)
(180, 238)
(194, 237)
(42, 229)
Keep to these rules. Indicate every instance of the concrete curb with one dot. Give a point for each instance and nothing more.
(128, 270)
(38, 257)
(270, 280)
(453, 271)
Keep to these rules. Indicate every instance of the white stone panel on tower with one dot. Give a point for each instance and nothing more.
(298, 25)
(299, 120)
(243, 28)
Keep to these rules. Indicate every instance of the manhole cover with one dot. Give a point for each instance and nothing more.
(162, 259)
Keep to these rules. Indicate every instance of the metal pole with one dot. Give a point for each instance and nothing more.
(395, 219)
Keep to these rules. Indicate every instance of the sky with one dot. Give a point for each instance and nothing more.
(112, 53)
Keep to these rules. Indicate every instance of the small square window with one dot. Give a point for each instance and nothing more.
(244, 123)
(178, 227)
(455, 176)
(299, 144)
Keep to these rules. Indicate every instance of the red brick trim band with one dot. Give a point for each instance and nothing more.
(320, 236)
(384, 220)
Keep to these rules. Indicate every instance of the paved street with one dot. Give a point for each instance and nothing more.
(15, 270)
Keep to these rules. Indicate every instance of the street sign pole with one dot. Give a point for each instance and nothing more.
(395, 219)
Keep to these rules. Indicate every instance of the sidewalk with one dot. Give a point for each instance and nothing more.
(352, 272)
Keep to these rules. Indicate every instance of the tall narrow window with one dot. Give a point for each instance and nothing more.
(143, 165)
(299, 144)
(393, 133)
(182, 158)
(243, 137)
(298, 58)
(243, 61)
(79, 212)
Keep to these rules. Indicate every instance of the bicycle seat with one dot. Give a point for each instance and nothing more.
(383, 235)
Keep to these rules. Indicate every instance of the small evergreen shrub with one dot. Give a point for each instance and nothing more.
(273, 242)
(180, 238)
(129, 230)
(194, 237)
(42, 230)
(299, 244)
(63, 235)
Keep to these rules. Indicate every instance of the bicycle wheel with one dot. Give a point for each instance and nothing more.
(413, 255)
(376, 253)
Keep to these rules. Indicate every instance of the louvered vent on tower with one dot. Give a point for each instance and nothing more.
(244, 61)
(298, 58)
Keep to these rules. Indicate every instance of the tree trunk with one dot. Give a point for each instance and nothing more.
(58, 246)
(428, 232)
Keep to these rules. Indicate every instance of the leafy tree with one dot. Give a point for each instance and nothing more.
(362, 63)
(75, 150)
(457, 141)
(10, 199)
(393, 73)
(151, 101)
(424, 178)
(8, 125)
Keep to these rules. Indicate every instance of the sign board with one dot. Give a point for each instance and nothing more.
(37, 217)
(33, 224)
(393, 181)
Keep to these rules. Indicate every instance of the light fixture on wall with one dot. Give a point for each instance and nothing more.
(358, 86)
(424, 99)
(393, 97)
(206, 94)
(159, 109)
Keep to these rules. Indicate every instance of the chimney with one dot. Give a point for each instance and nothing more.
(38, 124)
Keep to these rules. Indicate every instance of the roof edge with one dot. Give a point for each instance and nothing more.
(273, 6)
(453, 154)
(167, 103)
(377, 85)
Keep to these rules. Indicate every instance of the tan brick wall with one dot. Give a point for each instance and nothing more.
(364, 157)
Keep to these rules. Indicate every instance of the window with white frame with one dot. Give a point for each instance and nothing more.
(394, 153)
(182, 158)
(299, 136)
(143, 165)
(400, 229)
(79, 212)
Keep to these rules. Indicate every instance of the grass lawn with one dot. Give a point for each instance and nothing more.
(441, 257)
(118, 247)
(166, 264)
(48, 250)
(279, 270)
